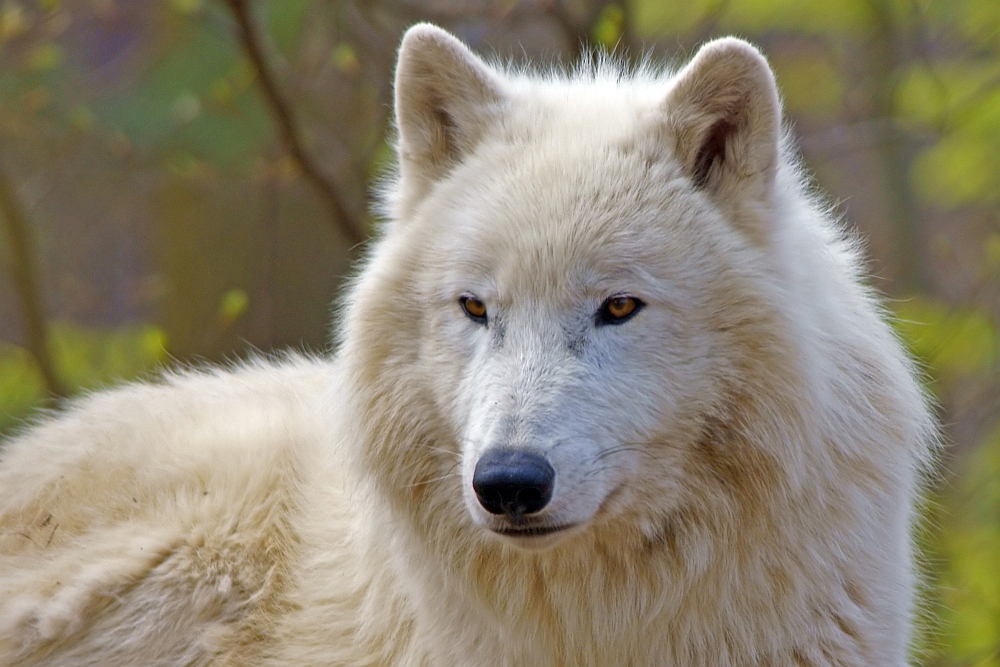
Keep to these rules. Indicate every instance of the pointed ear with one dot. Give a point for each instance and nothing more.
(446, 99)
(724, 114)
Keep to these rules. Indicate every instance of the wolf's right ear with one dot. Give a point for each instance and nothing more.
(446, 98)
(725, 116)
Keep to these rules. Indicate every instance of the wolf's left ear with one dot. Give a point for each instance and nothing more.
(725, 116)
(446, 99)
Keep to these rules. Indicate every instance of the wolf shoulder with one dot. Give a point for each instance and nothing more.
(207, 430)
(157, 505)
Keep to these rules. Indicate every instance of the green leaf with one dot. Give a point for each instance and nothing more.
(345, 58)
(232, 306)
(609, 26)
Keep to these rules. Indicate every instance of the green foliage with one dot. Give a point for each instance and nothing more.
(90, 358)
(198, 97)
(956, 101)
(654, 17)
(961, 101)
(970, 584)
(961, 541)
(345, 58)
(284, 22)
(798, 75)
(608, 28)
(974, 20)
(182, 100)
(844, 16)
(85, 359)
(45, 57)
(21, 387)
(960, 169)
(186, 6)
(232, 306)
(950, 341)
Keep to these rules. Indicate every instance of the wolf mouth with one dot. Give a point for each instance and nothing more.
(532, 531)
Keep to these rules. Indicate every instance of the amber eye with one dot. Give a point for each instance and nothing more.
(474, 308)
(618, 309)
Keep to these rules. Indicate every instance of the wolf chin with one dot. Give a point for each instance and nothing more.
(608, 390)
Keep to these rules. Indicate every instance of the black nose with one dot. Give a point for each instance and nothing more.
(513, 482)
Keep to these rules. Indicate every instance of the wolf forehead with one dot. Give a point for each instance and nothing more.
(566, 152)
(551, 196)
(570, 212)
(585, 171)
(600, 107)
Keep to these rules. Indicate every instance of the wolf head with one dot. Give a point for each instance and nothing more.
(575, 319)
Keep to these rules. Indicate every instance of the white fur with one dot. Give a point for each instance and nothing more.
(738, 463)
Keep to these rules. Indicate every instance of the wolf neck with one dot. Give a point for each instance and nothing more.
(614, 597)
(552, 606)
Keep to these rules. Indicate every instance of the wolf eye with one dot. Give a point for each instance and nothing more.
(618, 309)
(474, 308)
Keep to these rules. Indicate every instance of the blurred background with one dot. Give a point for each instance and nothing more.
(186, 180)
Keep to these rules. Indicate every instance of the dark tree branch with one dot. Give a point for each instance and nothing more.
(886, 60)
(250, 40)
(25, 271)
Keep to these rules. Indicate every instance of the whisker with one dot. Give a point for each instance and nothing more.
(594, 471)
(442, 450)
(454, 473)
(617, 450)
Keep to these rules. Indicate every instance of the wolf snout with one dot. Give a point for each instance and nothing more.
(513, 482)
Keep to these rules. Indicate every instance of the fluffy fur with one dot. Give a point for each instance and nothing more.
(735, 466)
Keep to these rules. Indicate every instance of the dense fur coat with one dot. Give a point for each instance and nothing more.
(619, 275)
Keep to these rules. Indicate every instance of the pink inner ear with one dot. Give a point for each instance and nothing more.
(712, 150)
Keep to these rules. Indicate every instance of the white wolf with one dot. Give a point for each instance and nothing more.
(608, 392)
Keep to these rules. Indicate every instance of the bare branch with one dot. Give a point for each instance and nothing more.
(346, 221)
(25, 271)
